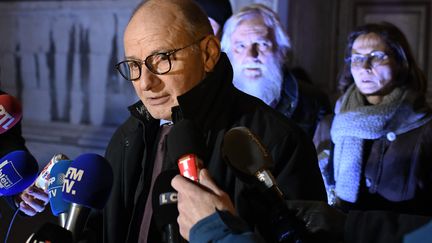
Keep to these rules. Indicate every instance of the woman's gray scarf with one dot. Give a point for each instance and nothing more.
(355, 121)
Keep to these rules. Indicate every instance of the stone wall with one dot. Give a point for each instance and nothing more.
(58, 59)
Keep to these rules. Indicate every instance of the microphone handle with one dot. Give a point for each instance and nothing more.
(62, 218)
(76, 220)
(172, 234)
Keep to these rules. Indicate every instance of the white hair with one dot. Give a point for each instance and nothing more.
(271, 20)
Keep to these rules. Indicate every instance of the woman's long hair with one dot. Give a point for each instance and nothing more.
(408, 73)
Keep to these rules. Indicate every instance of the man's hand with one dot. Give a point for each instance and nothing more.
(32, 200)
(197, 201)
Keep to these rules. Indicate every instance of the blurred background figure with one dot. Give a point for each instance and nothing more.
(258, 48)
(381, 131)
(218, 12)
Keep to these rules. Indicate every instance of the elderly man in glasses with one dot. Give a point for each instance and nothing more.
(174, 62)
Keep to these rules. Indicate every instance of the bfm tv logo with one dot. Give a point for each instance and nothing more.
(72, 175)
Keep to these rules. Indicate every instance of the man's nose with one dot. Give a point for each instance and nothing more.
(253, 51)
(148, 79)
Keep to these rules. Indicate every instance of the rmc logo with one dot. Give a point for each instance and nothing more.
(72, 175)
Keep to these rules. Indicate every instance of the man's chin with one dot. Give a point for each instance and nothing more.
(160, 115)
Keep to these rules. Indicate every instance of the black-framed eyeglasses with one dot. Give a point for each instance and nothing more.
(157, 63)
(374, 59)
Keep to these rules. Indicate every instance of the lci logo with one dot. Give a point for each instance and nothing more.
(9, 176)
(167, 198)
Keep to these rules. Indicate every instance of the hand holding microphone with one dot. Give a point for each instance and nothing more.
(34, 198)
(197, 201)
(185, 145)
(84, 184)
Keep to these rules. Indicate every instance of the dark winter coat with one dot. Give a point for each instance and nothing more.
(216, 106)
(305, 104)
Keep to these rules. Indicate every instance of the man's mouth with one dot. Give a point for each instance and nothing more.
(159, 100)
(252, 72)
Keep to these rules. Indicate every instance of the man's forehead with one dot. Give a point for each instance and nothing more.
(253, 23)
(155, 32)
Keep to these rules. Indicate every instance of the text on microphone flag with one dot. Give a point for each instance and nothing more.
(12, 177)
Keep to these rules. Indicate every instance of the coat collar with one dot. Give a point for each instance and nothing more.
(289, 96)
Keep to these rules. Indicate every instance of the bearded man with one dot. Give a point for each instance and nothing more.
(258, 49)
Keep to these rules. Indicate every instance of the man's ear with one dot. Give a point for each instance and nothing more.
(210, 50)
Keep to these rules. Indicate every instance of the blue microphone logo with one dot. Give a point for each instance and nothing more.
(9, 176)
(52, 192)
(72, 175)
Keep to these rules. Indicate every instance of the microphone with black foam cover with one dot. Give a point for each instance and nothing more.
(164, 203)
(186, 145)
(52, 233)
(18, 170)
(87, 185)
(10, 112)
(248, 157)
(59, 206)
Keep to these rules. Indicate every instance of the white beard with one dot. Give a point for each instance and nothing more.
(267, 87)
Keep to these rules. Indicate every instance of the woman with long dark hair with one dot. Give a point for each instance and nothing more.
(380, 156)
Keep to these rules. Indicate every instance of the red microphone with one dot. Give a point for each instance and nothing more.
(188, 165)
(185, 144)
(10, 112)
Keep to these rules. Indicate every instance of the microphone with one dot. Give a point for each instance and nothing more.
(164, 203)
(250, 160)
(18, 170)
(59, 206)
(186, 145)
(50, 232)
(10, 112)
(42, 179)
(87, 185)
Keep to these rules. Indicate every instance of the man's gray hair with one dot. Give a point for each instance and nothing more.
(281, 39)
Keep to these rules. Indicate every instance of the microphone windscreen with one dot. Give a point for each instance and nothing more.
(185, 138)
(10, 112)
(18, 170)
(244, 151)
(56, 179)
(164, 199)
(88, 181)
